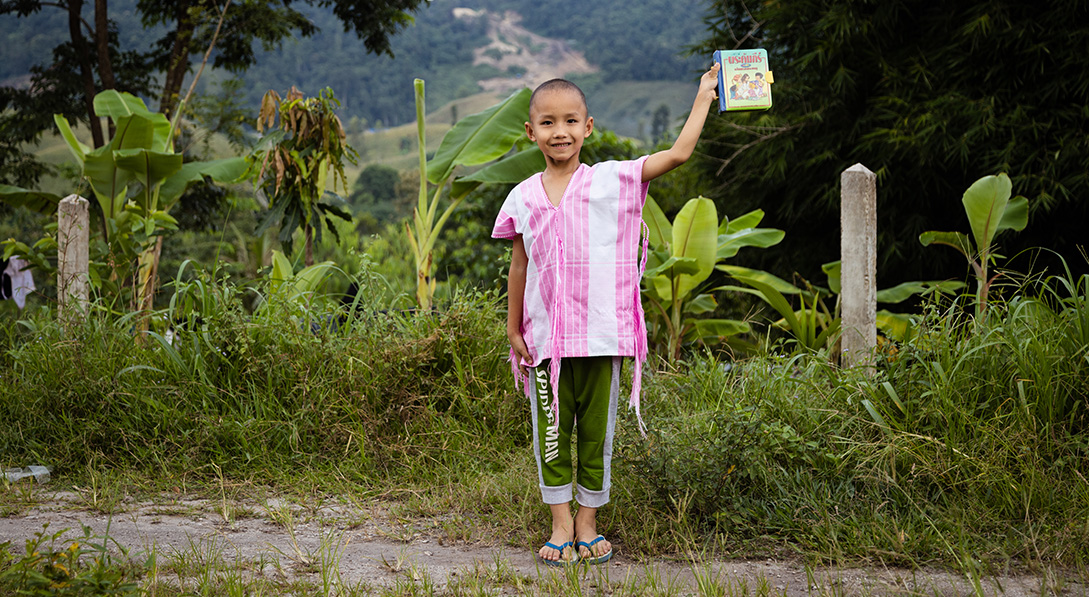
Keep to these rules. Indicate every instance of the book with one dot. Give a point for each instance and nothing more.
(744, 80)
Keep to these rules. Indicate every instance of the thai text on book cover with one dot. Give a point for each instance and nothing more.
(744, 80)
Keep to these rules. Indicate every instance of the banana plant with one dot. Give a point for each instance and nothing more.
(283, 277)
(136, 179)
(683, 255)
(813, 323)
(990, 211)
(474, 140)
(897, 326)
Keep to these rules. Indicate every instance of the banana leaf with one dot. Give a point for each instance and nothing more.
(989, 209)
(749, 220)
(720, 329)
(37, 201)
(729, 244)
(482, 137)
(695, 235)
(661, 231)
(511, 169)
(221, 171)
(150, 168)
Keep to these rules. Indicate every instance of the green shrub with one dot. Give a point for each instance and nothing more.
(82, 567)
(364, 391)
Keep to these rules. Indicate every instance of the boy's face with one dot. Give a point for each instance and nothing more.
(559, 123)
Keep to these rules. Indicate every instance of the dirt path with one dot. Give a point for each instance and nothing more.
(535, 57)
(370, 544)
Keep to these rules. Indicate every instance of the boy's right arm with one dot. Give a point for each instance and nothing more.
(663, 161)
(516, 292)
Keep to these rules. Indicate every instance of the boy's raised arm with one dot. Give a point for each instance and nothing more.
(663, 161)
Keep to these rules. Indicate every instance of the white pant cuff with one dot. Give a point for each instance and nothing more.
(592, 499)
(560, 494)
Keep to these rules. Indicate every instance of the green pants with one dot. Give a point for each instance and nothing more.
(588, 392)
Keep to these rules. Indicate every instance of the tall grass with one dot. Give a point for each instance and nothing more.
(966, 444)
(364, 394)
(969, 439)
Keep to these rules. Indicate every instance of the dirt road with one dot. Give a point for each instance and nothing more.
(368, 543)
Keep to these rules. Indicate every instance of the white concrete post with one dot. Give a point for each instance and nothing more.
(73, 242)
(858, 264)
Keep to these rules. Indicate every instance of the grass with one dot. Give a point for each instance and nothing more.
(965, 449)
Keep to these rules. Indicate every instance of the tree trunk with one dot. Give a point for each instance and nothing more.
(179, 59)
(86, 74)
(102, 44)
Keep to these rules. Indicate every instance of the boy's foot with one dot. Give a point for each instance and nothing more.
(597, 551)
(558, 554)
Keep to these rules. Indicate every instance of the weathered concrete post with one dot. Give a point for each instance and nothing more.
(858, 264)
(73, 241)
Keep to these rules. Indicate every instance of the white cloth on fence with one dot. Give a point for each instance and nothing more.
(16, 282)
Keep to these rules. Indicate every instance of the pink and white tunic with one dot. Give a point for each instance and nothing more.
(582, 281)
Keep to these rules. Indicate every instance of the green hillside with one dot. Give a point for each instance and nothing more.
(629, 46)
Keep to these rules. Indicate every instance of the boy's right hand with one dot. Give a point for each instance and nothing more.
(518, 344)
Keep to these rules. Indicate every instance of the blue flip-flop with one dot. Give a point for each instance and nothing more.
(561, 562)
(601, 559)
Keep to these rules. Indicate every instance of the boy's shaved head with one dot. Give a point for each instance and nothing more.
(554, 85)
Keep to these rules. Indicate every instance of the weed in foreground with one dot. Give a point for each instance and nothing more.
(85, 566)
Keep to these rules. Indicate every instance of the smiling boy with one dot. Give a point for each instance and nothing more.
(573, 299)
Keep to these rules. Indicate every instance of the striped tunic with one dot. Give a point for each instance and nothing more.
(582, 281)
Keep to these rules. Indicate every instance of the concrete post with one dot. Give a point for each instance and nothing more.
(858, 264)
(73, 241)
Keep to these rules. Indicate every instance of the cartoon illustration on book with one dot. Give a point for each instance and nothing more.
(744, 81)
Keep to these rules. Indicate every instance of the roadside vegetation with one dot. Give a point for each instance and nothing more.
(230, 343)
(963, 449)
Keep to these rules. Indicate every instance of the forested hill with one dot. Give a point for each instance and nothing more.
(460, 47)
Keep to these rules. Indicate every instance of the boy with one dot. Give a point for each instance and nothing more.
(573, 295)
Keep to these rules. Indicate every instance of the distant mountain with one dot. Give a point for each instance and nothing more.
(460, 47)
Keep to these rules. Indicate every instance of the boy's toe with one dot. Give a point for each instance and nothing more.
(553, 554)
(597, 551)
